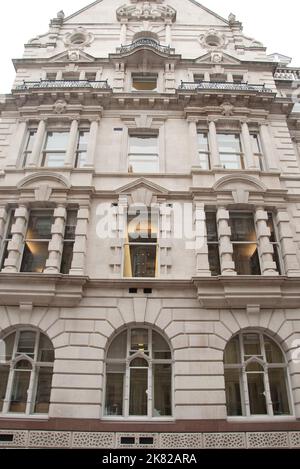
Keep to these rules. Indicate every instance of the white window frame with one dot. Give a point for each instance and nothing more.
(126, 383)
(138, 74)
(127, 243)
(45, 152)
(138, 134)
(26, 153)
(78, 152)
(239, 155)
(245, 401)
(260, 158)
(32, 388)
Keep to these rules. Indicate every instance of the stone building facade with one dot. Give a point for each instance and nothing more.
(181, 329)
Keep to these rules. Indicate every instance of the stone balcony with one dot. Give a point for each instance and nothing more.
(145, 43)
(287, 74)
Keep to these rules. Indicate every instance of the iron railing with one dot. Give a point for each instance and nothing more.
(144, 42)
(209, 85)
(42, 84)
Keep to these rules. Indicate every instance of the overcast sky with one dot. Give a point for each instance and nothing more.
(276, 24)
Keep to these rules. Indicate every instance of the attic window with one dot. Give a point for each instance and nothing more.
(78, 39)
(213, 41)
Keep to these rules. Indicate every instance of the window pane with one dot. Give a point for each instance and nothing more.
(42, 399)
(242, 226)
(142, 227)
(39, 226)
(139, 363)
(35, 256)
(277, 380)
(46, 351)
(231, 161)
(229, 143)
(202, 142)
(211, 226)
(143, 260)
(233, 392)
(273, 352)
(144, 82)
(7, 347)
(143, 144)
(256, 389)
(214, 259)
(66, 258)
(162, 375)
(118, 347)
(26, 343)
(145, 164)
(139, 339)
(204, 161)
(232, 352)
(270, 223)
(251, 345)
(160, 348)
(255, 143)
(4, 372)
(57, 141)
(30, 140)
(138, 398)
(71, 223)
(245, 257)
(114, 394)
(19, 391)
(54, 160)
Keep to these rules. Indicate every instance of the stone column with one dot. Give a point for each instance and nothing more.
(288, 247)
(15, 246)
(193, 144)
(17, 145)
(71, 149)
(92, 145)
(3, 220)
(266, 250)
(225, 245)
(213, 145)
(201, 248)
(268, 147)
(38, 145)
(57, 242)
(168, 33)
(119, 217)
(164, 238)
(248, 152)
(80, 245)
(123, 33)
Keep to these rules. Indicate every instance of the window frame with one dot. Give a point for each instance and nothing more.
(213, 243)
(25, 152)
(45, 152)
(126, 379)
(276, 245)
(133, 243)
(141, 75)
(207, 153)
(34, 375)
(25, 239)
(78, 151)
(139, 134)
(243, 243)
(244, 391)
(259, 156)
(240, 154)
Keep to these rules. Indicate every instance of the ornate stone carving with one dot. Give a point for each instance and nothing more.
(59, 106)
(213, 40)
(78, 38)
(74, 55)
(216, 57)
(227, 109)
(146, 11)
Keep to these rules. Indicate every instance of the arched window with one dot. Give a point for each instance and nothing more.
(256, 379)
(138, 375)
(26, 368)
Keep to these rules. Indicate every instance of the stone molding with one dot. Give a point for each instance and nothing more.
(146, 11)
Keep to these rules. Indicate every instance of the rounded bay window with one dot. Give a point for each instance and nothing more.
(138, 375)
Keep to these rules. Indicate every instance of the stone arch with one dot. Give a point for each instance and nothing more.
(33, 181)
(239, 181)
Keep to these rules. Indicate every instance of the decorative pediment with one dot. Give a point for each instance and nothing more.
(240, 186)
(44, 182)
(218, 57)
(143, 10)
(72, 56)
(142, 191)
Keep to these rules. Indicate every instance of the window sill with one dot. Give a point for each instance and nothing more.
(24, 417)
(262, 418)
(138, 419)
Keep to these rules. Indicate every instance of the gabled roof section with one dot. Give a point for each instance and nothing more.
(76, 13)
(142, 182)
(209, 11)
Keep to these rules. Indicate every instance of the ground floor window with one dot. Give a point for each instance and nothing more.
(256, 379)
(138, 375)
